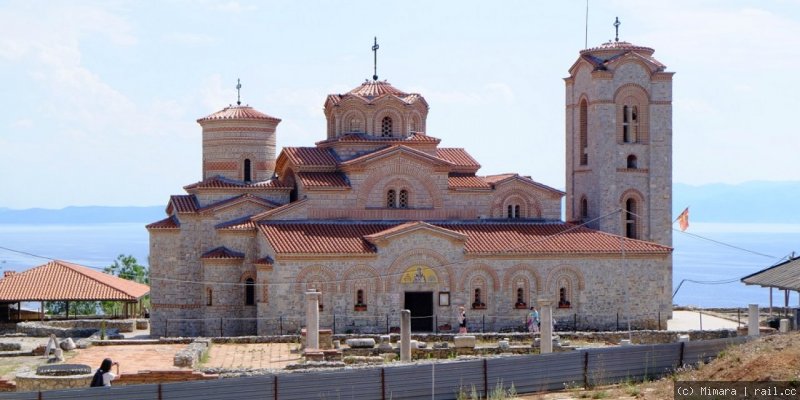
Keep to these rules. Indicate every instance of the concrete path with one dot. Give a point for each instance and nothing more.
(692, 320)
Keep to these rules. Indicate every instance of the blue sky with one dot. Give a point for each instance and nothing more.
(99, 99)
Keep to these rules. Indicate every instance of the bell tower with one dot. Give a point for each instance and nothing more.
(619, 142)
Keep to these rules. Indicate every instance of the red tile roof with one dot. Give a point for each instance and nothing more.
(416, 137)
(310, 156)
(60, 280)
(264, 261)
(239, 224)
(219, 182)
(323, 180)
(184, 203)
(222, 253)
(247, 197)
(398, 148)
(238, 112)
(322, 238)
(372, 90)
(485, 237)
(459, 157)
(467, 182)
(492, 179)
(167, 223)
(497, 179)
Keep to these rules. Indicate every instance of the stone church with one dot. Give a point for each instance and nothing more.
(379, 216)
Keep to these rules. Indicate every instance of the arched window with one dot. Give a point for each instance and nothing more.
(386, 127)
(630, 218)
(209, 297)
(584, 134)
(249, 292)
(247, 171)
(391, 198)
(355, 125)
(403, 199)
(631, 161)
(516, 211)
(584, 208)
(510, 211)
(478, 303)
(630, 124)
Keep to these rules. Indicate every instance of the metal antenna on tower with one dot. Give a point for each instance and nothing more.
(616, 26)
(586, 31)
(375, 48)
(238, 92)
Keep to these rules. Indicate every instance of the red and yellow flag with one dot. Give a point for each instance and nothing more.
(683, 219)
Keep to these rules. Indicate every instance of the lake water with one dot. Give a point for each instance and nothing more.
(708, 252)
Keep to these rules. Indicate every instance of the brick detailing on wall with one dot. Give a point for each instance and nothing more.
(7, 386)
(526, 272)
(220, 166)
(483, 270)
(373, 189)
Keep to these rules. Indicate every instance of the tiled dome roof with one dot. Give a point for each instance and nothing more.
(615, 46)
(376, 89)
(237, 112)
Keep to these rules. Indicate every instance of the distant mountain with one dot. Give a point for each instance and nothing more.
(82, 215)
(757, 201)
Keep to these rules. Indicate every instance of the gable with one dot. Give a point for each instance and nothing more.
(393, 153)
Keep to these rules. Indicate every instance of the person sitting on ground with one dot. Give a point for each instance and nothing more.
(103, 376)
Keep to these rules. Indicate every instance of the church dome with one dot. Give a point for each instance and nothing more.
(372, 89)
(611, 48)
(238, 113)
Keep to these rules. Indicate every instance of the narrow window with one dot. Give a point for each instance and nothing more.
(478, 303)
(209, 297)
(626, 135)
(391, 197)
(412, 126)
(520, 303)
(634, 125)
(249, 292)
(361, 305)
(584, 134)
(510, 211)
(630, 218)
(386, 127)
(403, 200)
(516, 211)
(584, 208)
(563, 298)
(631, 161)
(355, 125)
(247, 173)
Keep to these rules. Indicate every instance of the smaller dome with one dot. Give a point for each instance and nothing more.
(371, 89)
(238, 113)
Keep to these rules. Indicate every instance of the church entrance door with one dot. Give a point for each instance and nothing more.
(421, 306)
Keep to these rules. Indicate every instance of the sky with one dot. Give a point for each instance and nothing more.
(100, 99)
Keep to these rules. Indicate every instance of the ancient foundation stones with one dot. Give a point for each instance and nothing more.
(361, 343)
(465, 341)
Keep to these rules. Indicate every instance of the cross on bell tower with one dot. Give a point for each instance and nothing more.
(616, 27)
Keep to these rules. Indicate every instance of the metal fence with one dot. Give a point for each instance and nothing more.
(435, 380)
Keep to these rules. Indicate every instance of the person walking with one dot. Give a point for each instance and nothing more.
(103, 376)
(533, 321)
(462, 320)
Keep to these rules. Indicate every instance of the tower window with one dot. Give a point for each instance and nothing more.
(247, 172)
(249, 292)
(403, 200)
(584, 208)
(632, 162)
(630, 124)
(386, 127)
(513, 211)
(209, 297)
(584, 134)
(391, 198)
(630, 218)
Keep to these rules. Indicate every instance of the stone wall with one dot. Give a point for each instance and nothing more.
(74, 328)
(150, 377)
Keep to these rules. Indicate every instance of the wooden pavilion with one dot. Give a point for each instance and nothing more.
(783, 276)
(64, 281)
